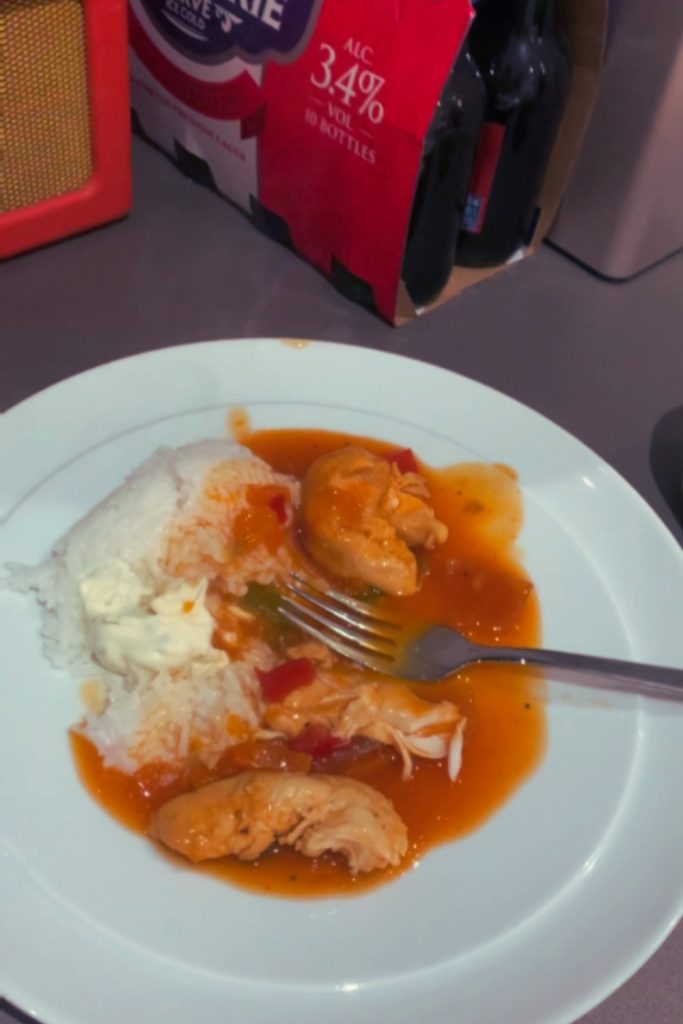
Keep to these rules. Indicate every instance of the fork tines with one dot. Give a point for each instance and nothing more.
(350, 627)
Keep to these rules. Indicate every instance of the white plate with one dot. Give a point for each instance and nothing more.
(532, 919)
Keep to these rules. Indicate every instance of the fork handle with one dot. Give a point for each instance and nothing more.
(626, 676)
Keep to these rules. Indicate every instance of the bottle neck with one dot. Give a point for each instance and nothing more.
(526, 17)
(536, 16)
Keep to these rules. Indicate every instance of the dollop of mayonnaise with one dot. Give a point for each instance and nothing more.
(128, 630)
(114, 590)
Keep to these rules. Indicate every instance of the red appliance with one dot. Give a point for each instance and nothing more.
(64, 119)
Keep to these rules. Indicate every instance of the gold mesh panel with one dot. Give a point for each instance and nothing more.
(44, 114)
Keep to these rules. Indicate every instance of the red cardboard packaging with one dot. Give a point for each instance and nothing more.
(311, 115)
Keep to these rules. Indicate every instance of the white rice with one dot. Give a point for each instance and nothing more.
(170, 519)
(167, 717)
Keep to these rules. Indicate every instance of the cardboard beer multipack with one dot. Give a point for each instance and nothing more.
(311, 115)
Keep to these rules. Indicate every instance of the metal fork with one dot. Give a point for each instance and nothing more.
(380, 641)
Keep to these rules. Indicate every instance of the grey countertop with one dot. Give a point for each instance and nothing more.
(603, 360)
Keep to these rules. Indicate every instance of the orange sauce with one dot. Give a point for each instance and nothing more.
(473, 582)
(261, 522)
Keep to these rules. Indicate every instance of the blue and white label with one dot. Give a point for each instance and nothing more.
(472, 212)
(209, 31)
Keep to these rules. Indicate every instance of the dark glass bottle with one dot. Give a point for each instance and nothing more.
(527, 73)
(443, 182)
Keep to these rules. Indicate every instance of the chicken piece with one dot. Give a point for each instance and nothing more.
(405, 506)
(246, 814)
(361, 517)
(387, 712)
(393, 714)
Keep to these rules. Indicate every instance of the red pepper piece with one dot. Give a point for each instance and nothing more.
(279, 507)
(404, 460)
(280, 681)
(316, 741)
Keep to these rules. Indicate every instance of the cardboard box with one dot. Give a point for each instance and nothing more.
(311, 115)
